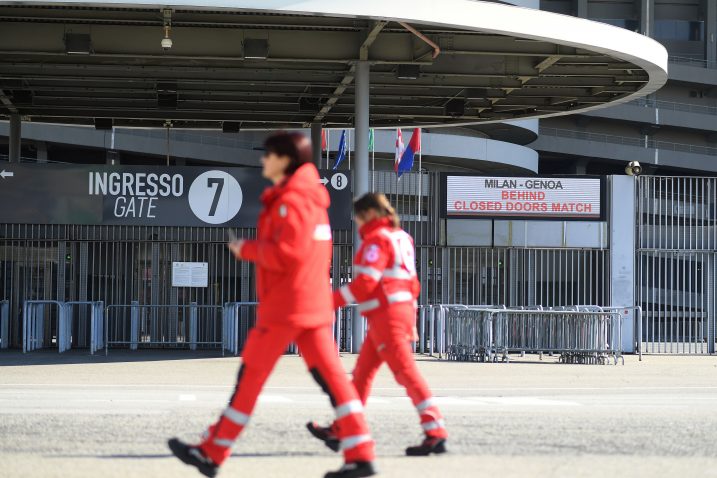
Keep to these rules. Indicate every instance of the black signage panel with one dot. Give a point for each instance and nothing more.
(146, 195)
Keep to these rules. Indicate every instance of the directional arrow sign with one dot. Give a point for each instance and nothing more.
(324, 181)
(6, 174)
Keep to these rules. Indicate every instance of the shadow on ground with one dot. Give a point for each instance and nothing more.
(15, 358)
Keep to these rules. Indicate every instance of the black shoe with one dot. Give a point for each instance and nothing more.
(358, 469)
(325, 435)
(428, 446)
(193, 456)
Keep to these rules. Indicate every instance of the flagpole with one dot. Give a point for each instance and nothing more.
(420, 176)
(373, 162)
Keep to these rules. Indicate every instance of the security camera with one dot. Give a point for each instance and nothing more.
(633, 168)
(166, 43)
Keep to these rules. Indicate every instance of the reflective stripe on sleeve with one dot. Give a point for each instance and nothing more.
(238, 418)
(368, 305)
(434, 425)
(347, 295)
(354, 441)
(374, 274)
(354, 406)
(402, 296)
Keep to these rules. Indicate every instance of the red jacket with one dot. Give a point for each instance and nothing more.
(384, 270)
(293, 251)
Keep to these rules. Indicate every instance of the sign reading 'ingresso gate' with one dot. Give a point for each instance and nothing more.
(565, 198)
(146, 195)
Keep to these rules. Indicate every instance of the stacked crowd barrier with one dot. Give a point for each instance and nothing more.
(580, 334)
(37, 330)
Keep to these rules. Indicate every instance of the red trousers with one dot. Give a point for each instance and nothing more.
(263, 348)
(389, 340)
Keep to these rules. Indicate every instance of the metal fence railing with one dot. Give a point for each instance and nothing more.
(674, 106)
(690, 61)
(676, 264)
(639, 142)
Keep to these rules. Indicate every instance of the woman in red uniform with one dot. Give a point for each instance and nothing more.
(292, 254)
(385, 286)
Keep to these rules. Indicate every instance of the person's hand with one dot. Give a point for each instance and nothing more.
(235, 247)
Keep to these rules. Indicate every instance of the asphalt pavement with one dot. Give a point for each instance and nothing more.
(75, 415)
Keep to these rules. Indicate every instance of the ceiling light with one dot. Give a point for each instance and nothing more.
(77, 44)
(256, 49)
(408, 72)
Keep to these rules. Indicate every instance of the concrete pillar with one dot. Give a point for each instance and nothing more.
(711, 30)
(647, 17)
(361, 166)
(582, 8)
(622, 253)
(316, 142)
(15, 135)
(41, 152)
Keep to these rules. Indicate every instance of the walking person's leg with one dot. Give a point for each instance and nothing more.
(367, 365)
(263, 348)
(393, 345)
(321, 357)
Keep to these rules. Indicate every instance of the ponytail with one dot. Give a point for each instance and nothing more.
(378, 202)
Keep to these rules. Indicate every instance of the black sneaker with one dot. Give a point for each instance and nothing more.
(357, 469)
(193, 456)
(325, 435)
(428, 446)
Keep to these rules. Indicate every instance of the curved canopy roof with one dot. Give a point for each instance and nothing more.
(280, 63)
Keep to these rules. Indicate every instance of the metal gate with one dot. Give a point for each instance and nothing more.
(119, 265)
(676, 263)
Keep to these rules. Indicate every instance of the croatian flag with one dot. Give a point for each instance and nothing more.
(342, 150)
(400, 148)
(414, 147)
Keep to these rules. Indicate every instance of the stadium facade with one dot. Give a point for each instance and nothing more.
(651, 242)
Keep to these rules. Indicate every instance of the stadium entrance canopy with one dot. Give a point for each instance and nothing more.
(267, 64)
(279, 63)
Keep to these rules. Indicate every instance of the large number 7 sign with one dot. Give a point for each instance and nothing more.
(219, 182)
(215, 197)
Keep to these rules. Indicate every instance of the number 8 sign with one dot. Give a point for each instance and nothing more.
(215, 197)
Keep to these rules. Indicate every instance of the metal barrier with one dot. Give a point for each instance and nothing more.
(578, 334)
(637, 321)
(4, 324)
(35, 328)
(174, 326)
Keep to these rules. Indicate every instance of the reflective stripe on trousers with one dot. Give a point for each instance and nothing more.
(354, 441)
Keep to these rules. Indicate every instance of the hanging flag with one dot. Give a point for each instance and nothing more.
(400, 148)
(371, 146)
(323, 139)
(414, 147)
(341, 155)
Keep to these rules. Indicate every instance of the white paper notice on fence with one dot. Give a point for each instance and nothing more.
(524, 198)
(190, 274)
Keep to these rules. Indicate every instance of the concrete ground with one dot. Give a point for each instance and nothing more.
(79, 416)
